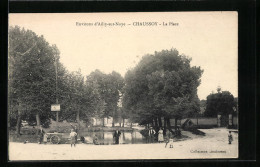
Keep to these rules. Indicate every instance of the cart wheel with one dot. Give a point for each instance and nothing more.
(55, 139)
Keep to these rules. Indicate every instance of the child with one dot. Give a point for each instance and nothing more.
(95, 140)
(169, 141)
(230, 137)
(45, 138)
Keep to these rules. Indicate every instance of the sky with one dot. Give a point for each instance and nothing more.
(209, 38)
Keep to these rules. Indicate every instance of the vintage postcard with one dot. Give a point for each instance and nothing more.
(123, 86)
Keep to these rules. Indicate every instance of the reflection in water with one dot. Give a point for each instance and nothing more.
(134, 137)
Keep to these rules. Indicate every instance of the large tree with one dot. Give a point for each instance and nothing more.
(108, 88)
(162, 85)
(222, 103)
(31, 75)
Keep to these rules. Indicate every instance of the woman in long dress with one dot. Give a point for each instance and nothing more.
(160, 136)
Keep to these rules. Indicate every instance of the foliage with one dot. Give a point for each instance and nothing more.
(32, 64)
(220, 103)
(31, 70)
(108, 88)
(162, 85)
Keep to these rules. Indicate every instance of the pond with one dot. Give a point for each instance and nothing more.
(106, 138)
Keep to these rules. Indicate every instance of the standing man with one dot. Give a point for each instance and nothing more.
(151, 134)
(40, 134)
(116, 136)
(73, 138)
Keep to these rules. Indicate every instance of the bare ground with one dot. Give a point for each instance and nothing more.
(213, 145)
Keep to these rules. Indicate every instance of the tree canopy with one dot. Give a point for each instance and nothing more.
(32, 82)
(108, 87)
(162, 85)
(222, 103)
(31, 70)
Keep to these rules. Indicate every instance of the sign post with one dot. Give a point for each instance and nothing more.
(56, 108)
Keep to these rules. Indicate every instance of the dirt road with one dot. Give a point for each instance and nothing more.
(213, 145)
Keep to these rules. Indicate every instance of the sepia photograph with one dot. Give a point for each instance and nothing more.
(123, 86)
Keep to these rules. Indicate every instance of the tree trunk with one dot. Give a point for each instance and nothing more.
(175, 122)
(18, 125)
(123, 122)
(78, 121)
(165, 123)
(113, 122)
(77, 117)
(132, 137)
(156, 123)
(160, 122)
(168, 123)
(103, 121)
(19, 114)
(131, 125)
(123, 136)
(38, 121)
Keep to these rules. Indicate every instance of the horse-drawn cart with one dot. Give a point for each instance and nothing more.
(54, 138)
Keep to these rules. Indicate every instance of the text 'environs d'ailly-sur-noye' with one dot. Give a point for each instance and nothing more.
(123, 24)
